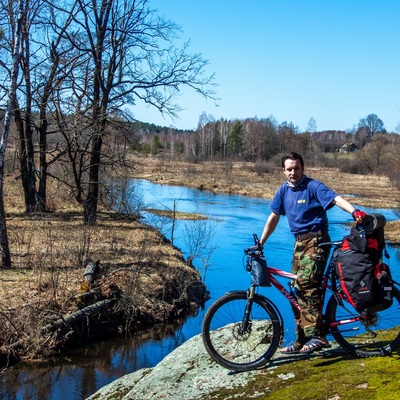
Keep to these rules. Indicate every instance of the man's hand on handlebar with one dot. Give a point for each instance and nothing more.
(254, 250)
(358, 215)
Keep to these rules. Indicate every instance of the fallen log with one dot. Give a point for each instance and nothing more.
(70, 318)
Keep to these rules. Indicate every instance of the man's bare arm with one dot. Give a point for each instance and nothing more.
(269, 227)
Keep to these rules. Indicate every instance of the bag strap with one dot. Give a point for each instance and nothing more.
(343, 286)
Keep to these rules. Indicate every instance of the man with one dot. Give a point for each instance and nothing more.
(305, 201)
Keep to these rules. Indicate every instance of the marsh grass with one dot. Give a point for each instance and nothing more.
(262, 180)
(176, 214)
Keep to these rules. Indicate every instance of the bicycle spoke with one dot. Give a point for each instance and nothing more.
(231, 345)
(375, 334)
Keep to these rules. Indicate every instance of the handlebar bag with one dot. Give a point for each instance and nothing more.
(259, 272)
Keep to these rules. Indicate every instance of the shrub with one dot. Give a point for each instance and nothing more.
(352, 166)
(261, 167)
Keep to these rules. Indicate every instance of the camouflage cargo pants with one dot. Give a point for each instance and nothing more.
(309, 263)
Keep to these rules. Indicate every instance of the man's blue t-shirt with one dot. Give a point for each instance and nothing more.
(306, 207)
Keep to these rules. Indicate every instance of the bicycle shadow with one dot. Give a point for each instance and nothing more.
(328, 357)
(340, 355)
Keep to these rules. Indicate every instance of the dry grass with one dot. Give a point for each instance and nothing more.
(46, 244)
(149, 276)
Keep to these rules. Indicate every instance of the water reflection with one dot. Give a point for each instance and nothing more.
(236, 219)
(84, 371)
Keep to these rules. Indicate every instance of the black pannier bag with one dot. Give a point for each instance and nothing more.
(259, 272)
(382, 288)
(364, 279)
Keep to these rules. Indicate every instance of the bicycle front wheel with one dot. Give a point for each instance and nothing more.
(372, 334)
(239, 345)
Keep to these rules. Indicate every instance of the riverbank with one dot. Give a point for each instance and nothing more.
(262, 180)
(47, 304)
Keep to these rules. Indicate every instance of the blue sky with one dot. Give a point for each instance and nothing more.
(332, 60)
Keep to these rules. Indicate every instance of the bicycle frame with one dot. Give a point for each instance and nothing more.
(324, 286)
(288, 275)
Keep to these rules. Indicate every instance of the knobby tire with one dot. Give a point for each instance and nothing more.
(233, 348)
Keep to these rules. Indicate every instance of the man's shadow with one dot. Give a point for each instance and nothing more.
(328, 357)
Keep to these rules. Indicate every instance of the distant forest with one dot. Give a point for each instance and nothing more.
(373, 149)
(252, 138)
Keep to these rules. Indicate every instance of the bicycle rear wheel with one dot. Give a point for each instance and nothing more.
(227, 343)
(374, 334)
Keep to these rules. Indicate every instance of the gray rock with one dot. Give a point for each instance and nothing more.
(188, 373)
(185, 374)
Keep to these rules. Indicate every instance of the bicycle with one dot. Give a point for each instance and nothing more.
(242, 330)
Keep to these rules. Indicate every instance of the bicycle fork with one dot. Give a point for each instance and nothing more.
(246, 323)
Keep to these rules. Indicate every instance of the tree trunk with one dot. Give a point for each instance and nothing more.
(83, 313)
(26, 161)
(43, 125)
(91, 201)
(42, 191)
(5, 249)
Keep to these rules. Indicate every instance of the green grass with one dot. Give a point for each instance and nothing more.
(332, 376)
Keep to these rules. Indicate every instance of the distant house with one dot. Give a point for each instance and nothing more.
(348, 148)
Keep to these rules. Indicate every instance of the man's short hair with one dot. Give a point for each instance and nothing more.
(293, 156)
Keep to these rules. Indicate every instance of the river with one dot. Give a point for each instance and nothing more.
(232, 221)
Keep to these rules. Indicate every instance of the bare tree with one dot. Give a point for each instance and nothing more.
(286, 136)
(205, 130)
(198, 240)
(22, 116)
(53, 69)
(41, 70)
(372, 124)
(224, 127)
(260, 140)
(376, 154)
(125, 56)
(5, 250)
(311, 125)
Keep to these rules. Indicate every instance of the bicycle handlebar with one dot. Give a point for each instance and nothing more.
(256, 250)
